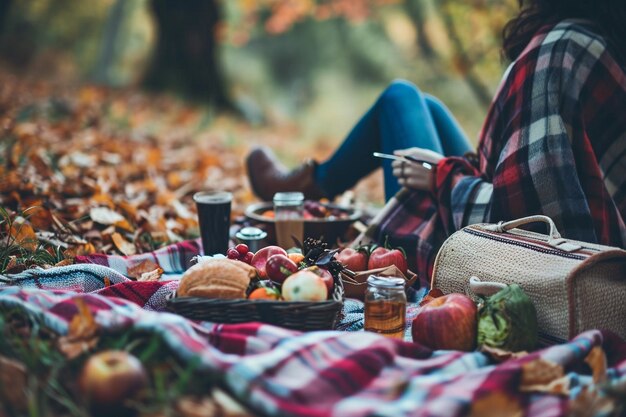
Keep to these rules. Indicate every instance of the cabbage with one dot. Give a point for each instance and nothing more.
(508, 320)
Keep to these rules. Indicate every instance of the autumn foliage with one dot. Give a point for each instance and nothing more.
(278, 16)
(87, 170)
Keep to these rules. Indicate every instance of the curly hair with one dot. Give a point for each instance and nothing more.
(609, 17)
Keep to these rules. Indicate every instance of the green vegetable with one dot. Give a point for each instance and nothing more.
(508, 320)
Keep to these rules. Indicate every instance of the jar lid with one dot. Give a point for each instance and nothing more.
(251, 233)
(385, 282)
(288, 198)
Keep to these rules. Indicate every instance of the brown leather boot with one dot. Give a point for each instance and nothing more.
(268, 176)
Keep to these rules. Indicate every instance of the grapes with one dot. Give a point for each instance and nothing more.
(247, 258)
(315, 209)
(241, 252)
(242, 248)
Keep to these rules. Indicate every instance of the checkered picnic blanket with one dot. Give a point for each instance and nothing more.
(282, 372)
(108, 275)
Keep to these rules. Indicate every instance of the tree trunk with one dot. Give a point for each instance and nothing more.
(5, 7)
(102, 71)
(185, 58)
(478, 87)
(416, 10)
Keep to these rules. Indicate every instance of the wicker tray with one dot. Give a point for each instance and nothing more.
(297, 315)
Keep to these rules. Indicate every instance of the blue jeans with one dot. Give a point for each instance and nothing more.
(402, 117)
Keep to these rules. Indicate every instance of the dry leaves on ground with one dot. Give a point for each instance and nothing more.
(91, 170)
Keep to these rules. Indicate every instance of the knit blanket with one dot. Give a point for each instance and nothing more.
(280, 372)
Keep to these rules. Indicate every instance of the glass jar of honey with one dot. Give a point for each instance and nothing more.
(385, 306)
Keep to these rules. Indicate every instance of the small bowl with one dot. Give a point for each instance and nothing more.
(331, 229)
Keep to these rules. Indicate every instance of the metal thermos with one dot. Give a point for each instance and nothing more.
(253, 237)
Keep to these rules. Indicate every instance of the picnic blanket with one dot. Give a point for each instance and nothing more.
(332, 373)
(108, 275)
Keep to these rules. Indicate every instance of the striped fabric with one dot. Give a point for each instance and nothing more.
(173, 259)
(276, 372)
(553, 143)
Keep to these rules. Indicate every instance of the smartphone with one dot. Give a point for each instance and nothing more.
(405, 158)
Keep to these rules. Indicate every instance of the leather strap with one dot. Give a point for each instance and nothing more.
(502, 227)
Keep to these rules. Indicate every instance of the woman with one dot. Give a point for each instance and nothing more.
(553, 142)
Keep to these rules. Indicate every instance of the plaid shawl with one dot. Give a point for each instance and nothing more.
(553, 143)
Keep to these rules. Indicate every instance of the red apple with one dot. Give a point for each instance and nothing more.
(262, 255)
(304, 285)
(278, 267)
(109, 378)
(325, 275)
(383, 257)
(448, 322)
(355, 260)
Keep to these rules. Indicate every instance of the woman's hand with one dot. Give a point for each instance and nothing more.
(414, 175)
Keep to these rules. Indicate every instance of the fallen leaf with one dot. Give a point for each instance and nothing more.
(9, 181)
(501, 355)
(59, 224)
(82, 160)
(196, 407)
(79, 250)
(432, 294)
(496, 404)
(108, 231)
(125, 225)
(147, 265)
(105, 216)
(540, 375)
(590, 403)
(38, 216)
(65, 262)
(123, 245)
(151, 276)
(82, 333)
(23, 234)
(596, 359)
(11, 264)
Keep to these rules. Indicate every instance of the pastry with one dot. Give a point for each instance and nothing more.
(219, 278)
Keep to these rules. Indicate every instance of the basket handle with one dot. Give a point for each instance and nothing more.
(501, 226)
(485, 288)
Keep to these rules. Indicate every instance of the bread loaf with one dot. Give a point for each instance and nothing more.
(218, 278)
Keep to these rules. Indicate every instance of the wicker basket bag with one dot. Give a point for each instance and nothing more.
(575, 286)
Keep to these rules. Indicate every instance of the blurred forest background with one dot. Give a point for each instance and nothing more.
(318, 64)
(113, 112)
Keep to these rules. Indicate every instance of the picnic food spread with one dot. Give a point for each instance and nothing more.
(302, 289)
(268, 274)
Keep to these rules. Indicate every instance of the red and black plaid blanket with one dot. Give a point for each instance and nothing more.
(279, 372)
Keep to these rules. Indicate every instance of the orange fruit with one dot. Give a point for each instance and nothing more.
(268, 214)
(296, 257)
(263, 293)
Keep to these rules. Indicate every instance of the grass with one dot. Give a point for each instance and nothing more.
(50, 379)
(14, 253)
